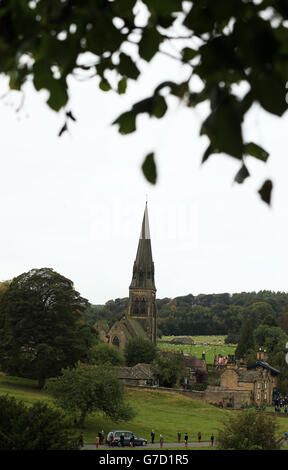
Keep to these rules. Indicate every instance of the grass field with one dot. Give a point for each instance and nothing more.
(210, 345)
(167, 413)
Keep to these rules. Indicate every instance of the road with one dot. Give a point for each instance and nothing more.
(151, 446)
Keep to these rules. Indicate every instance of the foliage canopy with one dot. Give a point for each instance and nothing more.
(249, 430)
(36, 427)
(40, 313)
(85, 389)
(234, 54)
(139, 350)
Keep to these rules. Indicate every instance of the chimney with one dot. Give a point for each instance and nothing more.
(262, 355)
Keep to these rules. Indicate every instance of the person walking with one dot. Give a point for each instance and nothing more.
(97, 442)
(199, 436)
(122, 439)
(179, 437)
(81, 440)
(161, 440)
(132, 441)
(186, 439)
(152, 436)
(102, 436)
(212, 440)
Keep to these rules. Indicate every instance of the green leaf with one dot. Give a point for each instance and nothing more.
(256, 151)
(270, 91)
(189, 54)
(127, 67)
(124, 8)
(242, 174)
(159, 106)
(207, 153)
(126, 122)
(104, 85)
(149, 43)
(149, 168)
(265, 191)
(122, 86)
(58, 95)
(162, 7)
(223, 127)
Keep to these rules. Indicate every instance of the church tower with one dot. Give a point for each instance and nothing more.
(142, 290)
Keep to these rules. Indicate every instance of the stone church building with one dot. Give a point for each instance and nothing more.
(140, 319)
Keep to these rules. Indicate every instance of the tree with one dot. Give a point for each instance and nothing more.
(86, 389)
(168, 369)
(272, 338)
(104, 353)
(233, 55)
(36, 427)
(139, 350)
(246, 344)
(249, 430)
(41, 312)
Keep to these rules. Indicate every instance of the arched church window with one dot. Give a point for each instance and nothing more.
(136, 306)
(115, 341)
(143, 306)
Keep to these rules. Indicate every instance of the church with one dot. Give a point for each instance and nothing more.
(140, 318)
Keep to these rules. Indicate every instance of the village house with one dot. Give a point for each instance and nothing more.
(196, 370)
(138, 375)
(256, 382)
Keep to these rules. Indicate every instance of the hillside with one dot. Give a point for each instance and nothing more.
(212, 314)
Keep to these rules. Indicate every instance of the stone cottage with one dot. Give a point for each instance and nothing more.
(256, 382)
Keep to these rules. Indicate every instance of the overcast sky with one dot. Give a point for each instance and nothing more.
(76, 203)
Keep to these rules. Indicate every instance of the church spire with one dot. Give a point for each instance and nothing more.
(142, 290)
(143, 270)
(145, 231)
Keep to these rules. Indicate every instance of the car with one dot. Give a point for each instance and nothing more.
(113, 438)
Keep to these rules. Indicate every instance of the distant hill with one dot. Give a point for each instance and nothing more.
(204, 314)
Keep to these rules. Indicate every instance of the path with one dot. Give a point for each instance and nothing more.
(151, 446)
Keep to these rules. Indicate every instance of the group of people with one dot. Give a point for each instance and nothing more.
(199, 437)
(281, 403)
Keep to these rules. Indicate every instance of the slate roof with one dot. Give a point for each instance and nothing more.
(265, 365)
(137, 372)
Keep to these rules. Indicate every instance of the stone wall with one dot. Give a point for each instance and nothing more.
(212, 395)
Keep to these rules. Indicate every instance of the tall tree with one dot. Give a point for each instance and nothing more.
(233, 54)
(168, 369)
(139, 350)
(41, 312)
(246, 344)
(86, 389)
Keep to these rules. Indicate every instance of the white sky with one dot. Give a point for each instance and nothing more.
(76, 203)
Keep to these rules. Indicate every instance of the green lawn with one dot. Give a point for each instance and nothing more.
(165, 412)
(210, 345)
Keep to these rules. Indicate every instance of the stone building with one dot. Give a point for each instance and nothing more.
(196, 369)
(257, 382)
(138, 375)
(140, 319)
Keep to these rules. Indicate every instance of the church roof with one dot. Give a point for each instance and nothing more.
(130, 327)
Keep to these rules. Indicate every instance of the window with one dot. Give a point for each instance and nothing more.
(115, 341)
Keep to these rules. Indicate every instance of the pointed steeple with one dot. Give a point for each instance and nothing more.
(143, 269)
(142, 290)
(145, 231)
